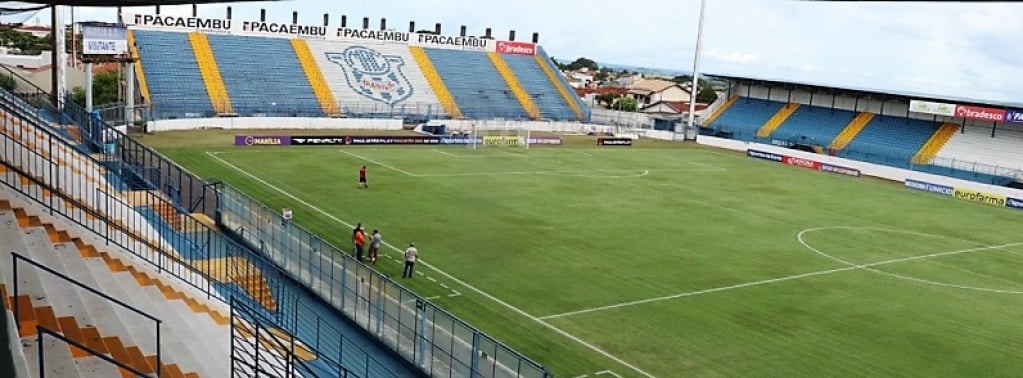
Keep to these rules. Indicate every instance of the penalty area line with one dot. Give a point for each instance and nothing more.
(507, 305)
(774, 280)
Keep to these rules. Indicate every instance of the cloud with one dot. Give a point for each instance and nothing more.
(956, 49)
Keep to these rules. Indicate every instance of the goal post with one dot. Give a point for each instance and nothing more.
(499, 135)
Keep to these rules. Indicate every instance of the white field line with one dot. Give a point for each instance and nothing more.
(399, 170)
(774, 280)
(445, 274)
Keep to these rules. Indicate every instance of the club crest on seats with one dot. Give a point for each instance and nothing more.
(374, 75)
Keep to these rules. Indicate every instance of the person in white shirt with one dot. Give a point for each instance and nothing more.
(411, 254)
(374, 246)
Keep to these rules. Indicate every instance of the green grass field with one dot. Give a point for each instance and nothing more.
(667, 260)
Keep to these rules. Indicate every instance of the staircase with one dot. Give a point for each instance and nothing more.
(717, 112)
(776, 121)
(433, 78)
(210, 74)
(850, 132)
(315, 76)
(190, 340)
(569, 97)
(514, 84)
(935, 143)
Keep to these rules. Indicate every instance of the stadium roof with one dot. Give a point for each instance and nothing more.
(875, 93)
(126, 3)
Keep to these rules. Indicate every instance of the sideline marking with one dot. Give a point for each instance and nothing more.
(445, 274)
(852, 266)
(902, 276)
(399, 170)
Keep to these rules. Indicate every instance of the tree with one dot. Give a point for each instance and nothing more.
(7, 82)
(626, 104)
(104, 90)
(607, 99)
(583, 63)
(600, 76)
(706, 95)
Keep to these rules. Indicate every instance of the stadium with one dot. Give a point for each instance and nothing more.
(207, 226)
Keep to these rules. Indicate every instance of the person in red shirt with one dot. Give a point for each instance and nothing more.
(362, 178)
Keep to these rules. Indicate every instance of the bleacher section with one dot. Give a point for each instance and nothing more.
(263, 76)
(375, 79)
(886, 139)
(172, 75)
(476, 85)
(814, 125)
(777, 119)
(975, 149)
(561, 83)
(210, 72)
(525, 98)
(745, 116)
(540, 88)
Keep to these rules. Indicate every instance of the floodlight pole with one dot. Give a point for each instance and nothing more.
(54, 76)
(694, 89)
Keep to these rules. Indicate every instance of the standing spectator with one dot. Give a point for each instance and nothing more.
(362, 178)
(374, 246)
(355, 232)
(360, 242)
(411, 255)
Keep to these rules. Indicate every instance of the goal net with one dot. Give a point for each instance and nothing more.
(500, 135)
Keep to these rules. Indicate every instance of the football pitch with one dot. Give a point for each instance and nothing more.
(664, 259)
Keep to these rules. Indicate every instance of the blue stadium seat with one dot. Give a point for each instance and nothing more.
(264, 76)
(547, 98)
(891, 140)
(477, 87)
(814, 125)
(172, 75)
(745, 116)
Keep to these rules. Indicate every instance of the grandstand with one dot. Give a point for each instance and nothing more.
(210, 75)
(867, 126)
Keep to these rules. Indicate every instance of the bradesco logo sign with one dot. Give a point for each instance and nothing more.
(516, 48)
(980, 113)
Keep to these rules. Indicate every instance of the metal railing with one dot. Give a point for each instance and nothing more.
(186, 255)
(250, 331)
(15, 257)
(42, 331)
(435, 340)
(879, 154)
(441, 344)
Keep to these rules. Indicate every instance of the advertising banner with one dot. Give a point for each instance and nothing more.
(515, 48)
(500, 140)
(1014, 116)
(975, 196)
(351, 35)
(825, 167)
(104, 39)
(799, 162)
(546, 140)
(318, 140)
(460, 140)
(928, 107)
(764, 155)
(980, 113)
(614, 141)
(259, 140)
(1014, 203)
(929, 187)
(375, 140)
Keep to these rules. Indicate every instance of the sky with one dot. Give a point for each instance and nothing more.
(941, 49)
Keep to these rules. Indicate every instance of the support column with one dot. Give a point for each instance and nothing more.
(88, 87)
(129, 103)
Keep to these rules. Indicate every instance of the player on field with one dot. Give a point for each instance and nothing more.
(374, 246)
(362, 178)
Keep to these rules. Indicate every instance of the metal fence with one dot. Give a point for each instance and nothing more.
(190, 249)
(880, 154)
(436, 341)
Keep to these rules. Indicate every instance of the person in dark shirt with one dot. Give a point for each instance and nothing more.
(362, 178)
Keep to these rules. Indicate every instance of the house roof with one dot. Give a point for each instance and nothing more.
(600, 91)
(677, 106)
(653, 85)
